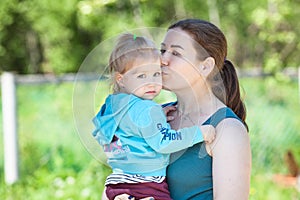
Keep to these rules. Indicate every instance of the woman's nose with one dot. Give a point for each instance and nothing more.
(164, 60)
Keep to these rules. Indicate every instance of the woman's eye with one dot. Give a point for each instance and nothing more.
(156, 74)
(162, 51)
(175, 53)
(142, 76)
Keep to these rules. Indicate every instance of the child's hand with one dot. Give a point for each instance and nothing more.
(122, 197)
(127, 197)
(208, 132)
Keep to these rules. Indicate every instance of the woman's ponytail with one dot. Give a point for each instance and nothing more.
(232, 90)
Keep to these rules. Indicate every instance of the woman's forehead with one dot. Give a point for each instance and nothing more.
(146, 60)
(177, 38)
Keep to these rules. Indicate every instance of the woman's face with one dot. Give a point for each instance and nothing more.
(180, 65)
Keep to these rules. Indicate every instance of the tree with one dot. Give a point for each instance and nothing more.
(51, 36)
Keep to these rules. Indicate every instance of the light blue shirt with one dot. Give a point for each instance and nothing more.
(144, 138)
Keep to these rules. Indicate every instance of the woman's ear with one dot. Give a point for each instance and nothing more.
(207, 66)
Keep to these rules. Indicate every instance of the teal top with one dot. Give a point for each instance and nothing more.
(189, 174)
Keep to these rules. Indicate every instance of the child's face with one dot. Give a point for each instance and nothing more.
(143, 79)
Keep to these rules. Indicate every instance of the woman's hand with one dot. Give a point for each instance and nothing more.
(167, 111)
(127, 197)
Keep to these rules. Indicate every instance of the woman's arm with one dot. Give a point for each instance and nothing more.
(231, 161)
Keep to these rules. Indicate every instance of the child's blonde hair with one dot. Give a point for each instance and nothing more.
(130, 47)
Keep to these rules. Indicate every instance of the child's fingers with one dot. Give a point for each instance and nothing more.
(210, 135)
(129, 197)
(124, 197)
(148, 198)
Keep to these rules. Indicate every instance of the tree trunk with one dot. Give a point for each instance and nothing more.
(213, 12)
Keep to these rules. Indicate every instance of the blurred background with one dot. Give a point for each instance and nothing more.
(42, 38)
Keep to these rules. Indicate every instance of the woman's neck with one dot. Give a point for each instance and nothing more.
(191, 102)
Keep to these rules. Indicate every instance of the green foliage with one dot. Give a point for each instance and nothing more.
(263, 188)
(53, 162)
(273, 121)
(13, 51)
(59, 184)
(277, 33)
(41, 36)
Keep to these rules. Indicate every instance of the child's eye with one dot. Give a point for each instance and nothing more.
(142, 76)
(157, 74)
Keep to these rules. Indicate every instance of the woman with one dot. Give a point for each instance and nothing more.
(195, 68)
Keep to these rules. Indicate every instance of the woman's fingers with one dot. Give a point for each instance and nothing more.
(167, 110)
(170, 118)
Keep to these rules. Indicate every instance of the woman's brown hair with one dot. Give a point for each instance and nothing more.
(223, 79)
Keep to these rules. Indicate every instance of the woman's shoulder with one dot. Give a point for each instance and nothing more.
(232, 135)
(232, 126)
(221, 114)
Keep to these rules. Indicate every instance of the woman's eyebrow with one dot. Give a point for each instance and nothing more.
(177, 46)
(173, 46)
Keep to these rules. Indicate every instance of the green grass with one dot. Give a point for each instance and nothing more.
(54, 163)
(273, 118)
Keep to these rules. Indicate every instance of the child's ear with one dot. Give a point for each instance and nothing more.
(207, 66)
(119, 79)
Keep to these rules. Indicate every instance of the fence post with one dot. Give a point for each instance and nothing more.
(299, 83)
(10, 139)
